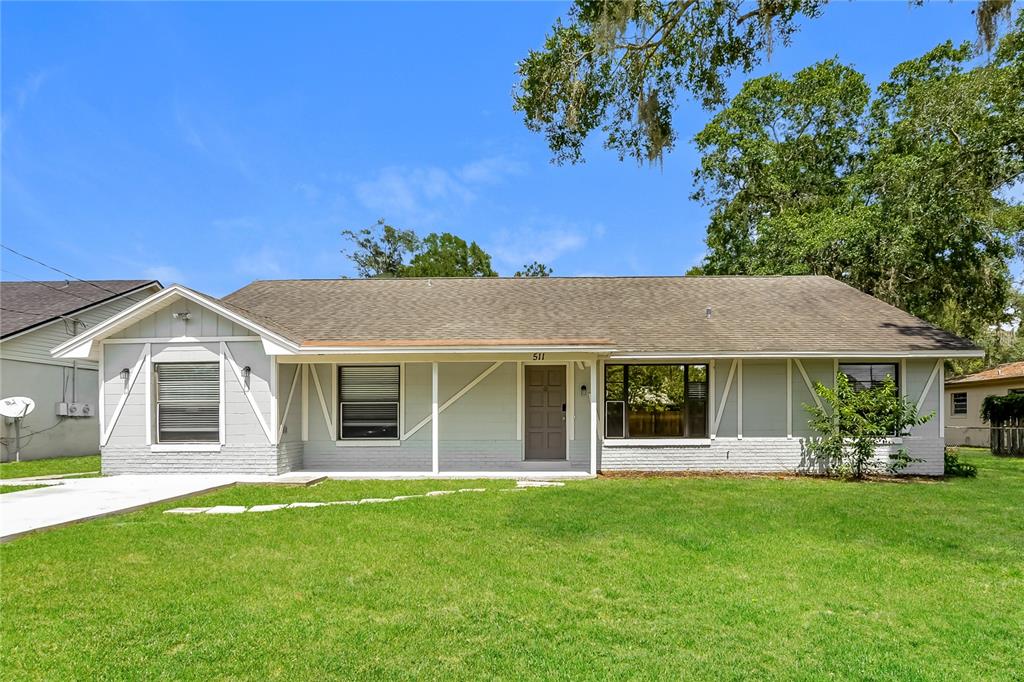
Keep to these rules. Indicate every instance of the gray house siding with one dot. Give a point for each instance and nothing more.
(477, 432)
(764, 446)
(28, 369)
(245, 447)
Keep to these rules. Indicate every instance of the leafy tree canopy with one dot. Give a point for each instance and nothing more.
(445, 255)
(901, 194)
(534, 269)
(618, 66)
(382, 250)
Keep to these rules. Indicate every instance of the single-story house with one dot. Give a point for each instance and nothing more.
(964, 396)
(35, 317)
(498, 376)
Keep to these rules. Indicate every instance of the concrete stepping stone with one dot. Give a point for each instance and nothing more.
(398, 498)
(267, 507)
(187, 510)
(297, 505)
(225, 509)
(539, 484)
(434, 493)
(375, 500)
(344, 502)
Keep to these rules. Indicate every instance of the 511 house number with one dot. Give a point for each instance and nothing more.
(538, 356)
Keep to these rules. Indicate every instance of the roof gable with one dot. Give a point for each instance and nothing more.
(157, 317)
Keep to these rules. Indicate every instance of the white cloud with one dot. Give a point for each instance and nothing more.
(31, 86)
(491, 170)
(543, 241)
(167, 274)
(423, 194)
(262, 264)
(412, 194)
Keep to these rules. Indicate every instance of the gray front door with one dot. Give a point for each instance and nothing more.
(545, 412)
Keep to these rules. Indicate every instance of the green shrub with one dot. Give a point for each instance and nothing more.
(954, 467)
(852, 425)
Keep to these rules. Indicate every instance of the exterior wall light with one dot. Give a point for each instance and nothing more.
(125, 374)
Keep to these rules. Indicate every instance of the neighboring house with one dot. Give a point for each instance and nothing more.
(964, 395)
(498, 376)
(35, 317)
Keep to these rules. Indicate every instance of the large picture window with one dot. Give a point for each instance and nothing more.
(187, 402)
(865, 375)
(656, 401)
(369, 398)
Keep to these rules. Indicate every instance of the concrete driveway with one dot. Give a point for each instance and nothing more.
(87, 498)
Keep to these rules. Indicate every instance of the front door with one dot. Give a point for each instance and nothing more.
(545, 412)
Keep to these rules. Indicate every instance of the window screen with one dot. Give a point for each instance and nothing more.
(187, 402)
(959, 403)
(369, 397)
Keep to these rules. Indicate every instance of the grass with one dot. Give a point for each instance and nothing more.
(17, 488)
(656, 578)
(50, 467)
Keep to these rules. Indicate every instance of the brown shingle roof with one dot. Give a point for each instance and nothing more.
(1010, 370)
(24, 305)
(632, 314)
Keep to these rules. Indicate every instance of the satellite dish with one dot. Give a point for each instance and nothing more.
(17, 407)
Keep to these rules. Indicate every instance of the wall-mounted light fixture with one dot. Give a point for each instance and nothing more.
(246, 373)
(184, 316)
(583, 389)
(126, 374)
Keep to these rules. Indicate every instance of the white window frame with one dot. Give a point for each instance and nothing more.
(213, 443)
(340, 406)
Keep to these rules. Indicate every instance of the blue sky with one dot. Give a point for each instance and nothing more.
(214, 144)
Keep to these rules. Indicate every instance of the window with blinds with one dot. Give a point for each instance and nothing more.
(369, 400)
(187, 402)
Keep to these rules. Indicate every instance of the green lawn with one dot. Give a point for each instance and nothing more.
(17, 488)
(722, 578)
(49, 467)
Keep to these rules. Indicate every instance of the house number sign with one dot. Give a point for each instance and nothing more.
(538, 356)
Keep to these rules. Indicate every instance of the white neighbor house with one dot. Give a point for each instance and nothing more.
(34, 317)
(498, 376)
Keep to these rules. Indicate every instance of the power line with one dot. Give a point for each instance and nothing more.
(44, 284)
(68, 274)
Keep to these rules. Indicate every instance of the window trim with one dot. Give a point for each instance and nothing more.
(340, 440)
(952, 404)
(626, 439)
(896, 372)
(213, 444)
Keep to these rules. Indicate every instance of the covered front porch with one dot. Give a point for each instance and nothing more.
(457, 415)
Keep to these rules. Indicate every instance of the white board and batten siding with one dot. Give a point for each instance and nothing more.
(246, 412)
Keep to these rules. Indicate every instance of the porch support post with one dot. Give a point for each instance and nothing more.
(789, 398)
(274, 414)
(739, 400)
(519, 401)
(434, 413)
(305, 401)
(593, 417)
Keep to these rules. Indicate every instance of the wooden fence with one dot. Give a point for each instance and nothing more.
(1008, 437)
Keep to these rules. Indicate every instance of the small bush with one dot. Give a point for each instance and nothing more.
(954, 467)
